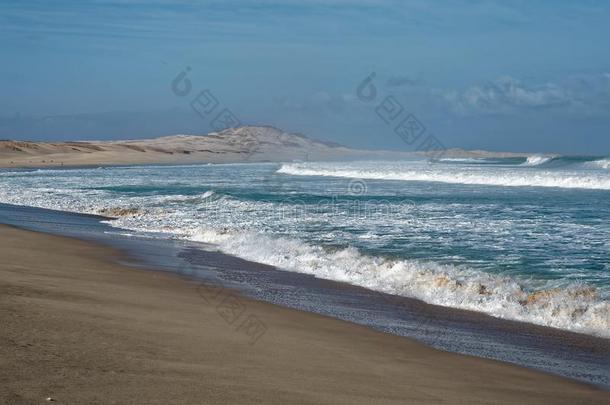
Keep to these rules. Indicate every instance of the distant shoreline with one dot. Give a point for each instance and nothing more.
(237, 145)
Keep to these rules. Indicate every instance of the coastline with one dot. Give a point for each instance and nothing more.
(566, 354)
(157, 340)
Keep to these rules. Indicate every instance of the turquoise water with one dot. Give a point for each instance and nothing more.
(515, 238)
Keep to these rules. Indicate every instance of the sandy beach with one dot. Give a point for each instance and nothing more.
(79, 327)
(317, 202)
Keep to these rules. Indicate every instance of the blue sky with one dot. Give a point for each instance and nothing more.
(501, 75)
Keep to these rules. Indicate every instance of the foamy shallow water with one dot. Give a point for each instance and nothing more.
(525, 241)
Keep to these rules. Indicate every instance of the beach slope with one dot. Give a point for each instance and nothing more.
(81, 328)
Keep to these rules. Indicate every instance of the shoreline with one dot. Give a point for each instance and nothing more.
(542, 329)
(149, 329)
(571, 355)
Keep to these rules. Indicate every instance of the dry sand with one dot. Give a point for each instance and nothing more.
(243, 144)
(81, 328)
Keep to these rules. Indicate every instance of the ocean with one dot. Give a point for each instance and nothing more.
(523, 239)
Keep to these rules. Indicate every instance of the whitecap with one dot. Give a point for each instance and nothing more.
(506, 177)
(536, 160)
(572, 307)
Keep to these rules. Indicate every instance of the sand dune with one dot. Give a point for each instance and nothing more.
(243, 144)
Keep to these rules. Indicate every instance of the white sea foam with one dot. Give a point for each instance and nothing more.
(462, 160)
(536, 160)
(28, 172)
(571, 307)
(229, 222)
(599, 164)
(508, 177)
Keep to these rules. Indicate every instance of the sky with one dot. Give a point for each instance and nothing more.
(530, 76)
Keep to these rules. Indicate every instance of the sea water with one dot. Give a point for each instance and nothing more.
(525, 239)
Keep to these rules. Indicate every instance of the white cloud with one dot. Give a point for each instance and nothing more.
(505, 95)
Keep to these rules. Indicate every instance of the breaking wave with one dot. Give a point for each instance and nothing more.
(572, 307)
(536, 160)
(599, 164)
(511, 177)
(183, 213)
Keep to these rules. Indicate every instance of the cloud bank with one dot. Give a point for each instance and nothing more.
(583, 94)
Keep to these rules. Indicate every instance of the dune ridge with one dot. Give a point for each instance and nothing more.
(232, 145)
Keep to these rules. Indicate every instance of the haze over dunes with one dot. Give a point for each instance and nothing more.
(243, 144)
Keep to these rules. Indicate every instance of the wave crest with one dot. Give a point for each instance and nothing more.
(573, 307)
(513, 177)
(600, 164)
(536, 160)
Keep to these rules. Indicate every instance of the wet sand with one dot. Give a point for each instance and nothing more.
(80, 328)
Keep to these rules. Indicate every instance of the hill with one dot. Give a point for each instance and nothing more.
(233, 145)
